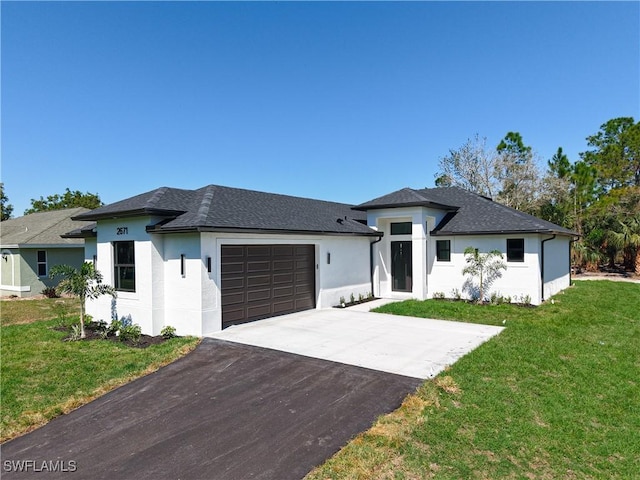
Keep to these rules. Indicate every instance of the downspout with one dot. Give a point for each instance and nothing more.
(371, 264)
(542, 262)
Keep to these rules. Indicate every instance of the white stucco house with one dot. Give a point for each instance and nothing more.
(201, 260)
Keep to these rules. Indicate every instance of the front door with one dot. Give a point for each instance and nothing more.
(401, 266)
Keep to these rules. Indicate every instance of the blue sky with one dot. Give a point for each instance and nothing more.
(330, 100)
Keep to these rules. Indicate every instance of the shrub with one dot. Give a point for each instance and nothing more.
(168, 332)
(130, 332)
(438, 296)
(76, 333)
(456, 294)
(50, 292)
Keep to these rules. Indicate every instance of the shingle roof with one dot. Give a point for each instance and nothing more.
(468, 213)
(42, 228)
(217, 208)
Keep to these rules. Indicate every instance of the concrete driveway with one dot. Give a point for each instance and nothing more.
(225, 411)
(413, 347)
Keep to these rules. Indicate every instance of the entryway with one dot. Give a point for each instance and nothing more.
(401, 269)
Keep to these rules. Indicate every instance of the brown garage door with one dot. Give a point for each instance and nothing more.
(260, 281)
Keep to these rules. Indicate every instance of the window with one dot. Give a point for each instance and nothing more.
(124, 266)
(443, 250)
(515, 249)
(403, 228)
(42, 263)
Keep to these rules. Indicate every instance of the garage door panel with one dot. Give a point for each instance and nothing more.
(279, 265)
(282, 250)
(283, 307)
(258, 251)
(233, 267)
(255, 312)
(233, 298)
(283, 292)
(259, 281)
(283, 278)
(256, 295)
(234, 283)
(262, 266)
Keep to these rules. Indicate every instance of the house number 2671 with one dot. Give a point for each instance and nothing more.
(122, 230)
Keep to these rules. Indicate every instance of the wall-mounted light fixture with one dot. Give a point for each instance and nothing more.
(182, 266)
(209, 264)
(328, 258)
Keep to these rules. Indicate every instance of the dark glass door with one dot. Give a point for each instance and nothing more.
(401, 266)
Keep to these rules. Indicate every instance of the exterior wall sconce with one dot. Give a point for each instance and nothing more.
(209, 264)
(182, 266)
(328, 258)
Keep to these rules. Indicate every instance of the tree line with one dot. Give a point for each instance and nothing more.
(597, 195)
(69, 199)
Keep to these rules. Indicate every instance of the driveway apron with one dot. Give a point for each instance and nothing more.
(225, 411)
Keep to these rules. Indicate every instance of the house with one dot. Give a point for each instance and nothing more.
(32, 244)
(201, 260)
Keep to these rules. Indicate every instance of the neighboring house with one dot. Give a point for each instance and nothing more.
(32, 244)
(201, 260)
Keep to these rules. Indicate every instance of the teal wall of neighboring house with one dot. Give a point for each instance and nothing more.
(20, 269)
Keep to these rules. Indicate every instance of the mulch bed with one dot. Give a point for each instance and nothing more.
(93, 334)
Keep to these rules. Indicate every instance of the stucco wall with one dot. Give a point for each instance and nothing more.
(20, 270)
(520, 281)
(192, 302)
(556, 265)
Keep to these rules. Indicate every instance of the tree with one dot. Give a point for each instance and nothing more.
(67, 200)
(485, 266)
(6, 208)
(517, 173)
(508, 174)
(626, 238)
(471, 167)
(85, 283)
(615, 154)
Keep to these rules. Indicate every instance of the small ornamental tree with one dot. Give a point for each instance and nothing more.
(84, 283)
(485, 266)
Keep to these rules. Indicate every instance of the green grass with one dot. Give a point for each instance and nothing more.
(555, 395)
(42, 376)
(30, 310)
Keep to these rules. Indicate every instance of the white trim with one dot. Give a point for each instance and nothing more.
(11, 288)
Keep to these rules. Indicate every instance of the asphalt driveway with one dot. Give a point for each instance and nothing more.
(225, 411)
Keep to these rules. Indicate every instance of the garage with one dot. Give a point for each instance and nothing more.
(261, 281)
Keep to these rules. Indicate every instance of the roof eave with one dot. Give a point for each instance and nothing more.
(445, 233)
(140, 212)
(449, 208)
(200, 229)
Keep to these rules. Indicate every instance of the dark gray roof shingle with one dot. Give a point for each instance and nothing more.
(218, 208)
(468, 213)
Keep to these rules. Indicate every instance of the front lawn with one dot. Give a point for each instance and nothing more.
(555, 395)
(43, 376)
(27, 310)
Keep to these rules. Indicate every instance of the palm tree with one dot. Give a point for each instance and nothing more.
(83, 283)
(627, 240)
(486, 266)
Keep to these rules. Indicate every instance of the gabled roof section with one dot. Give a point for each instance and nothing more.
(218, 208)
(42, 229)
(163, 201)
(468, 213)
(406, 197)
